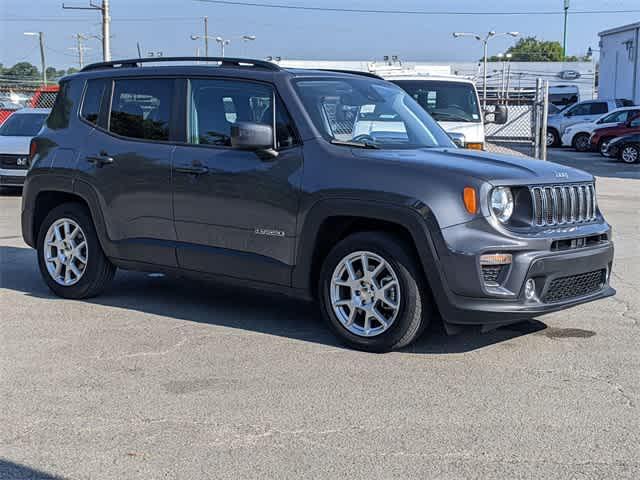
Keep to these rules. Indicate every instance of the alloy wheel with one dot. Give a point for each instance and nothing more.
(365, 294)
(65, 252)
(630, 154)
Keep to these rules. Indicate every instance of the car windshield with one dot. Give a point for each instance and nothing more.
(368, 113)
(23, 124)
(445, 101)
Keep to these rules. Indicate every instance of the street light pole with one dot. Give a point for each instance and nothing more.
(206, 36)
(485, 41)
(564, 35)
(40, 35)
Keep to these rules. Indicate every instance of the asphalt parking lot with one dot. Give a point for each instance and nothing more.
(163, 378)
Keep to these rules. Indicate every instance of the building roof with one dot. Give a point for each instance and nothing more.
(624, 28)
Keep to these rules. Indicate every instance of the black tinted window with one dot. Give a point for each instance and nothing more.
(93, 99)
(599, 108)
(61, 111)
(141, 108)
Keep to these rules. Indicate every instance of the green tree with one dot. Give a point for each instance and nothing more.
(22, 70)
(71, 70)
(530, 49)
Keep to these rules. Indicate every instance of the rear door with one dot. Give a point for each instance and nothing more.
(127, 160)
(584, 112)
(235, 211)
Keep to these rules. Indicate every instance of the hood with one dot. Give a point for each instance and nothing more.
(618, 127)
(581, 126)
(490, 167)
(14, 145)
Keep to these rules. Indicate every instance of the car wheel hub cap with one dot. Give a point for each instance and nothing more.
(66, 252)
(629, 155)
(365, 294)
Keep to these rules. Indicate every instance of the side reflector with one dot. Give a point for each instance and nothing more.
(475, 146)
(470, 198)
(495, 259)
(33, 149)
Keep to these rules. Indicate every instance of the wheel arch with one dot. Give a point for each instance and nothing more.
(330, 221)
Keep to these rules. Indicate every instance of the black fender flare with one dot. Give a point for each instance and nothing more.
(419, 222)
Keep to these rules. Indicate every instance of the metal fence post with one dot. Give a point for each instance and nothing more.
(535, 123)
(543, 125)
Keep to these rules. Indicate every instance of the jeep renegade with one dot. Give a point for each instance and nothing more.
(247, 173)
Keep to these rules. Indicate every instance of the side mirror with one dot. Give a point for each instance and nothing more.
(500, 115)
(252, 136)
(457, 138)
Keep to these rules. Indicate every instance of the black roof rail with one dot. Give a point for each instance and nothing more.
(222, 61)
(353, 72)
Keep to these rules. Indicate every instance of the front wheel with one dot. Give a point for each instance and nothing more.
(581, 142)
(70, 257)
(630, 154)
(372, 294)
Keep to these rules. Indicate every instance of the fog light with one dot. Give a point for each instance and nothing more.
(530, 289)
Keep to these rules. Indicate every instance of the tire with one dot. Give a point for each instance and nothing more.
(630, 154)
(581, 142)
(602, 144)
(97, 271)
(553, 139)
(414, 306)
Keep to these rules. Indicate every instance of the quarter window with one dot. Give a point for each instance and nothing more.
(598, 108)
(141, 108)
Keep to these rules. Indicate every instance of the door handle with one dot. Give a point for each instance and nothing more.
(193, 170)
(100, 160)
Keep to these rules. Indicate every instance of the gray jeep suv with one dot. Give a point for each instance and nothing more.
(327, 185)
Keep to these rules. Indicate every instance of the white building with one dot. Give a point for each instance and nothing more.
(620, 63)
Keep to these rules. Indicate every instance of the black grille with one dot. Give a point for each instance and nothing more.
(575, 286)
(14, 161)
(492, 274)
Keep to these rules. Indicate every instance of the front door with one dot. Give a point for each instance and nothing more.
(127, 161)
(235, 211)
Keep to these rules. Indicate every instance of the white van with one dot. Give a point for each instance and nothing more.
(452, 101)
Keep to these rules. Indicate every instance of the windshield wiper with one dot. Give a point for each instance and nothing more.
(355, 144)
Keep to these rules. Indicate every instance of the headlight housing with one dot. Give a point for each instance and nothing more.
(501, 203)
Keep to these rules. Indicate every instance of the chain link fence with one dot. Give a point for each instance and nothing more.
(16, 93)
(524, 132)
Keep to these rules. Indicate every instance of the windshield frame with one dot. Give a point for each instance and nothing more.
(12, 118)
(426, 124)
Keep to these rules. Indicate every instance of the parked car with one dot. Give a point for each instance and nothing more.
(625, 148)
(15, 136)
(6, 109)
(452, 101)
(252, 174)
(585, 111)
(577, 135)
(600, 137)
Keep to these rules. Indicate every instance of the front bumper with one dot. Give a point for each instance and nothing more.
(472, 301)
(567, 139)
(12, 177)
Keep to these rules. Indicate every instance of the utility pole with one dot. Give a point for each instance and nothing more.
(106, 24)
(40, 35)
(564, 40)
(80, 48)
(206, 36)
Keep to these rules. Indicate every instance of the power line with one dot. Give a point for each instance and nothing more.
(406, 12)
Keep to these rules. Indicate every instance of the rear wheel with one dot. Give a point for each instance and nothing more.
(581, 142)
(553, 139)
(372, 294)
(630, 154)
(70, 257)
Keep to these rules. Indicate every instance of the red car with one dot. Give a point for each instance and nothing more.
(602, 136)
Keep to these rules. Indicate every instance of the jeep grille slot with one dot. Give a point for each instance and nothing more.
(563, 204)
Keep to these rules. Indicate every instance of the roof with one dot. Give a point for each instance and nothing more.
(624, 28)
(429, 78)
(34, 110)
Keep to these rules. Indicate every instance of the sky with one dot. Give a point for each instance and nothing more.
(166, 25)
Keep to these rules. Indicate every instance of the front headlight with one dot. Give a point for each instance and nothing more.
(501, 203)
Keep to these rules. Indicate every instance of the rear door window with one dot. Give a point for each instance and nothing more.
(598, 108)
(141, 108)
(93, 99)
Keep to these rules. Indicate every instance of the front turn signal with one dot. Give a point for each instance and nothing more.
(470, 198)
